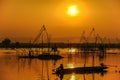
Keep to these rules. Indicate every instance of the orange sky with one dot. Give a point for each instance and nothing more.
(21, 20)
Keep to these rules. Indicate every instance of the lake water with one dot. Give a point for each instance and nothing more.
(12, 68)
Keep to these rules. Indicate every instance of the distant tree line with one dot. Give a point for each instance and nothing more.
(7, 43)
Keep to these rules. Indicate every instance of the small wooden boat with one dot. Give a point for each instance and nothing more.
(43, 57)
(49, 57)
(82, 70)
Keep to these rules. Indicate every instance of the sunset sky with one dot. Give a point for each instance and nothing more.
(21, 20)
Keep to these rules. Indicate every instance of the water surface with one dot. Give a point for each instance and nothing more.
(12, 68)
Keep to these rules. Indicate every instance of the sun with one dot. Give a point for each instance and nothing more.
(73, 10)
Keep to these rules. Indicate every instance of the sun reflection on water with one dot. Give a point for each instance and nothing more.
(72, 50)
(71, 66)
(72, 77)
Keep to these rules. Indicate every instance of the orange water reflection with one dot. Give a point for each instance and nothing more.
(72, 50)
(73, 77)
(71, 66)
(12, 68)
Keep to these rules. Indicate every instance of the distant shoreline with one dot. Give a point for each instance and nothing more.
(60, 45)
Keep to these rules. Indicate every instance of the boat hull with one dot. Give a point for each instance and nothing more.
(44, 57)
(83, 70)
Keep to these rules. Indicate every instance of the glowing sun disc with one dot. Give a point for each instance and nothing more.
(72, 10)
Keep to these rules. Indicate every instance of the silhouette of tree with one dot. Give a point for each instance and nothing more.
(6, 42)
(17, 44)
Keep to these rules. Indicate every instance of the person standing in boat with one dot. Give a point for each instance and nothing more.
(60, 69)
(102, 65)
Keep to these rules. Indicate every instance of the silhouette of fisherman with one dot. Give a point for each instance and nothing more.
(60, 67)
(102, 64)
(60, 71)
(29, 53)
